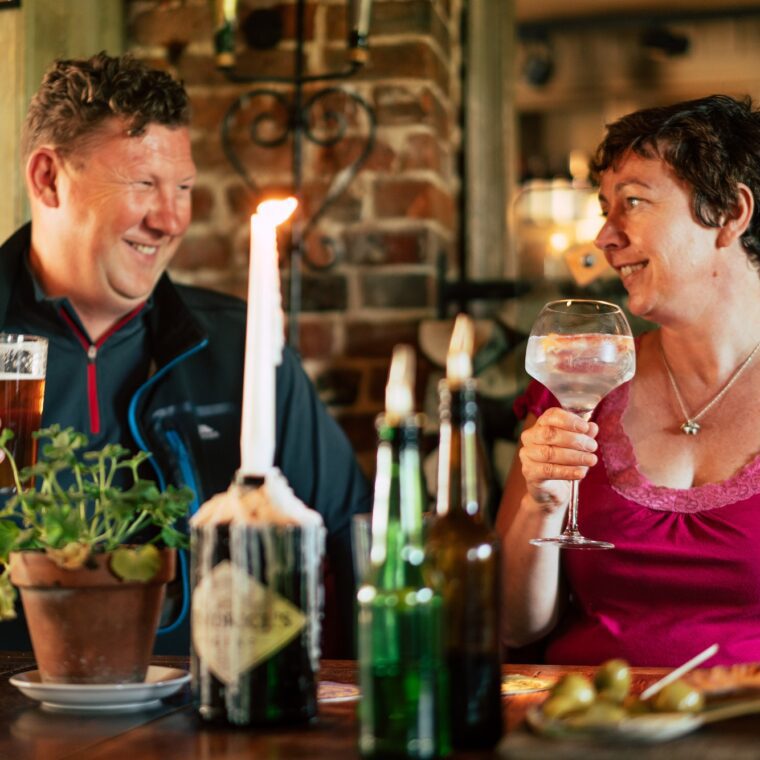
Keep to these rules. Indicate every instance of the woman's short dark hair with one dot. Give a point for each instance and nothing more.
(77, 96)
(711, 143)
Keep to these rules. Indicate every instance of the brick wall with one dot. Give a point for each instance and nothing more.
(384, 233)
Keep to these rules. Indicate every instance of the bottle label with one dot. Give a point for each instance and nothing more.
(238, 622)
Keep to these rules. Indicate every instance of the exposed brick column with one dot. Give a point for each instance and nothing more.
(386, 230)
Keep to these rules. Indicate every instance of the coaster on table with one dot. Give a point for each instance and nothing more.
(332, 691)
(519, 684)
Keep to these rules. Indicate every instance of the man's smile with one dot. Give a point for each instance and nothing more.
(147, 249)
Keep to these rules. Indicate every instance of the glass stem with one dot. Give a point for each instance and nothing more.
(572, 516)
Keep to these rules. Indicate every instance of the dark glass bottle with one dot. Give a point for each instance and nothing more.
(404, 707)
(464, 554)
(255, 631)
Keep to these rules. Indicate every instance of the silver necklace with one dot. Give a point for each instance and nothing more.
(691, 425)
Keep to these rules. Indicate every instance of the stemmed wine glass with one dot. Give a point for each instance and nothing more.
(580, 350)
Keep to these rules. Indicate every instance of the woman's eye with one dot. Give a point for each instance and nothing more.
(632, 201)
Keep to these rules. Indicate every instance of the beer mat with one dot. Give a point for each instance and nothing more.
(725, 679)
(519, 684)
(332, 691)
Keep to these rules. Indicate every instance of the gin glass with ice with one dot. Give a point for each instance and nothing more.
(580, 350)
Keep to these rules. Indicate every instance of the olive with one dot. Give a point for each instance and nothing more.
(636, 706)
(557, 707)
(613, 680)
(575, 688)
(678, 697)
(600, 713)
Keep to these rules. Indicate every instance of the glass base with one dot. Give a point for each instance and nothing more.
(572, 541)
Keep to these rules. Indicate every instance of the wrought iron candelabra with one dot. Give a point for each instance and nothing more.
(301, 119)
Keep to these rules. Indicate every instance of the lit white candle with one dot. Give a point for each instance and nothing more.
(264, 339)
(399, 392)
(459, 357)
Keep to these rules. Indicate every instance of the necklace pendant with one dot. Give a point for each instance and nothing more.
(691, 427)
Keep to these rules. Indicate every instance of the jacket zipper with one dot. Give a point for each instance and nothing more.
(91, 350)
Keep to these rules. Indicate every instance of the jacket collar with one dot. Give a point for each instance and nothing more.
(11, 255)
(172, 326)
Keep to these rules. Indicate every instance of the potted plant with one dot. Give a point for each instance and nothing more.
(73, 540)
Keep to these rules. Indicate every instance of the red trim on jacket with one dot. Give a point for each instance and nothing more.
(91, 350)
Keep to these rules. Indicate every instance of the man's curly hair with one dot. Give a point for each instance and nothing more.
(77, 96)
(711, 143)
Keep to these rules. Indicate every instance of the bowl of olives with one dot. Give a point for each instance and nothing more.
(604, 707)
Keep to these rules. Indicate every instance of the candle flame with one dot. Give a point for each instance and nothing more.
(459, 357)
(399, 393)
(277, 211)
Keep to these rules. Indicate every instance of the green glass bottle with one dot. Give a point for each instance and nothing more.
(404, 706)
(225, 22)
(464, 558)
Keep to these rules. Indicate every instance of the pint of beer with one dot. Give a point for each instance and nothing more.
(23, 361)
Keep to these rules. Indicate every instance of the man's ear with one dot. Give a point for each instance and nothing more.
(736, 223)
(42, 175)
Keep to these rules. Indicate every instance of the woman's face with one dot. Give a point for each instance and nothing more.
(665, 257)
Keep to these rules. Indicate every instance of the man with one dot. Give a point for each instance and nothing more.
(134, 358)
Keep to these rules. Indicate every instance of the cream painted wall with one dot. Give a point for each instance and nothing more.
(30, 38)
(12, 66)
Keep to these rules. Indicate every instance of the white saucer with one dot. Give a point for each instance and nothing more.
(102, 698)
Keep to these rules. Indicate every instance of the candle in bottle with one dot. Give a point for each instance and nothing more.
(264, 339)
(403, 710)
(463, 554)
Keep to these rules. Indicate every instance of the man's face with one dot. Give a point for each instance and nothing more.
(124, 205)
(662, 253)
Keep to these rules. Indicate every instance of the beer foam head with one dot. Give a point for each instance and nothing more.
(8, 376)
(274, 503)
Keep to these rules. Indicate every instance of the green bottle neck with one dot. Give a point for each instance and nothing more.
(396, 554)
(458, 470)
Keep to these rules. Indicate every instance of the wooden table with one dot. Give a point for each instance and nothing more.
(173, 732)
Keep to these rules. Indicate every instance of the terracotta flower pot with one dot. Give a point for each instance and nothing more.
(88, 625)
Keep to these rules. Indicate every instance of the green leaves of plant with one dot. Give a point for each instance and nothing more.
(61, 527)
(90, 512)
(7, 597)
(9, 533)
(138, 564)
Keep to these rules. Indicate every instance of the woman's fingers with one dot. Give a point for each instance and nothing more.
(560, 446)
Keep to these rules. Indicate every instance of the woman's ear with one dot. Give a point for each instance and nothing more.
(42, 173)
(735, 224)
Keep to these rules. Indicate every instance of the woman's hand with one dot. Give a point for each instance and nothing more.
(557, 449)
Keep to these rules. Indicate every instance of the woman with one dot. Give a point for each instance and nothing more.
(670, 464)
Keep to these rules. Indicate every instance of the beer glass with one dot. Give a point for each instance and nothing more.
(23, 362)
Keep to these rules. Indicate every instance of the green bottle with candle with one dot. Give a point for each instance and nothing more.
(403, 712)
(463, 553)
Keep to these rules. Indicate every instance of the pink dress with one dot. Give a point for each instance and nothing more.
(685, 570)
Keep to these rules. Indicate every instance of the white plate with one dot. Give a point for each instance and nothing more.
(648, 728)
(103, 698)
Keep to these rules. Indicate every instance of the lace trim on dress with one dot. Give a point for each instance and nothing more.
(626, 479)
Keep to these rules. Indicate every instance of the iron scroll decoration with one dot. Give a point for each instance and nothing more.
(290, 115)
(280, 116)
